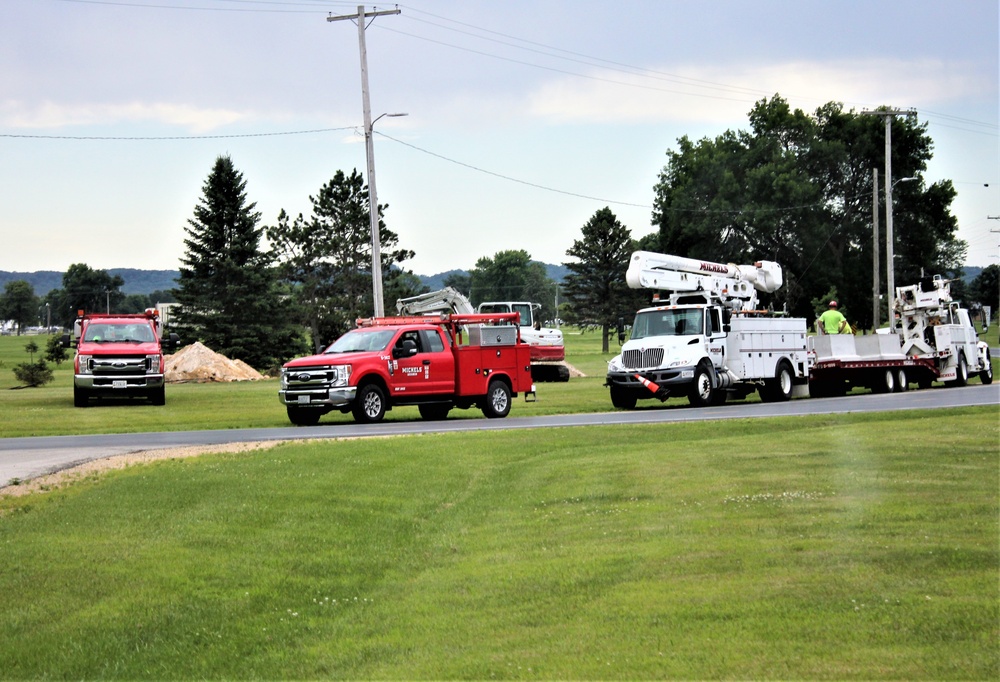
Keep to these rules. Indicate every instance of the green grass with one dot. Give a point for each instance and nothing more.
(831, 547)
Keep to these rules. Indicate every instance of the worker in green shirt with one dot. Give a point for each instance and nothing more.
(834, 322)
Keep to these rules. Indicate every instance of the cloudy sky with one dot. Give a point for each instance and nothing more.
(525, 117)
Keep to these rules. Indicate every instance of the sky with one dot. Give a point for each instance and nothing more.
(524, 117)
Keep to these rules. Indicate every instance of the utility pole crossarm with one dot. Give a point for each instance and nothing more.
(374, 13)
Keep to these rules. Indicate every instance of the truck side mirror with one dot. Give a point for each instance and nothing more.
(175, 341)
(405, 350)
(621, 330)
(64, 341)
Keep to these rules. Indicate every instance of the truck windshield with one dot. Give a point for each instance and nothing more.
(118, 333)
(362, 340)
(684, 322)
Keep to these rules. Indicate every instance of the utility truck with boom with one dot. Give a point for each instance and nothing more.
(548, 353)
(435, 362)
(710, 341)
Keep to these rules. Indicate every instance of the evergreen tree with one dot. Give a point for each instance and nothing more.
(327, 258)
(19, 303)
(228, 290)
(595, 286)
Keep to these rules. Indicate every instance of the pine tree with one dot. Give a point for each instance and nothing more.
(228, 290)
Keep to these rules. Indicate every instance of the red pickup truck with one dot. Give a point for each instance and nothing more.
(435, 362)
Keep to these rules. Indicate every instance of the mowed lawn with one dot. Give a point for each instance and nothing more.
(832, 547)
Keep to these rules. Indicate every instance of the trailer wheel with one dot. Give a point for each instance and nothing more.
(303, 416)
(885, 381)
(986, 376)
(369, 405)
(902, 382)
(961, 372)
(778, 389)
(497, 402)
(701, 391)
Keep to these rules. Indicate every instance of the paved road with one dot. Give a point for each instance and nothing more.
(27, 458)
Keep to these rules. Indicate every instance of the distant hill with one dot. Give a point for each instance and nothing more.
(136, 281)
(148, 281)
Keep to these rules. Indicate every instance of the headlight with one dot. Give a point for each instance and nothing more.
(341, 375)
(84, 363)
(615, 364)
(153, 362)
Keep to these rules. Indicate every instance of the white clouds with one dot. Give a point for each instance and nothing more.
(724, 93)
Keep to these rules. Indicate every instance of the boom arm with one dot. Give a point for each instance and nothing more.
(447, 300)
(735, 286)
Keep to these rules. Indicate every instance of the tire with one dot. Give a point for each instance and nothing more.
(158, 396)
(496, 405)
(81, 397)
(434, 412)
(961, 372)
(779, 389)
(623, 398)
(885, 381)
(303, 416)
(369, 405)
(701, 392)
(902, 381)
(986, 376)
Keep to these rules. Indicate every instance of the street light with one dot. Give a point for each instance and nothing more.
(890, 263)
(373, 211)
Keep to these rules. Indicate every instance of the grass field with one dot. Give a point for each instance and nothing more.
(849, 547)
(829, 547)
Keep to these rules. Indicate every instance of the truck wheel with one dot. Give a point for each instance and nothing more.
(158, 396)
(986, 376)
(369, 406)
(497, 402)
(779, 389)
(961, 372)
(434, 411)
(701, 390)
(622, 398)
(81, 397)
(303, 416)
(902, 381)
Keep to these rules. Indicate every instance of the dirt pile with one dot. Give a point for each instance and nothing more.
(197, 362)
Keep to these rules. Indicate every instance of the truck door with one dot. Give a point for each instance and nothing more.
(431, 369)
(715, 337)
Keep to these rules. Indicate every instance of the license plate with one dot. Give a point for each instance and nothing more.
(303, 399)
(119, 383)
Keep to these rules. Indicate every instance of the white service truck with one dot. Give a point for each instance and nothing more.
(710, 340)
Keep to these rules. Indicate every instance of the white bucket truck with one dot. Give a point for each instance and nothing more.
(710, 341)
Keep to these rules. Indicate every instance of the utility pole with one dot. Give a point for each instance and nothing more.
(875, 279)
(890, 273)
(370, 149)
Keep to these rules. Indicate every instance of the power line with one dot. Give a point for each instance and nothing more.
(170, 137)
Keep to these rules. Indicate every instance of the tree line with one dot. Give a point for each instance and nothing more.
(795, 188)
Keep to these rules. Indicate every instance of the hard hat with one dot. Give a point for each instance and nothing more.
(833, 304)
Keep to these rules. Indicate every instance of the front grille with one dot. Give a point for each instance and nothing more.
(309, 377)
(115, 366)
(643, 358)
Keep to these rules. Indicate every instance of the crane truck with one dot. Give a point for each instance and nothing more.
(548, 354)
(937, 342)
(710, 341)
